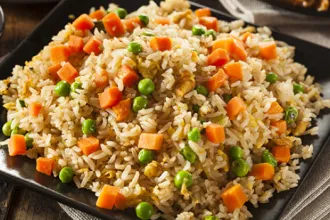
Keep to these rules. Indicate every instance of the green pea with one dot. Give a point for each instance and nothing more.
(75, 86)
(297, 88)
(144, 19)
(139, 103)
(290, 114)
(268, 157)
(146, 86)
(28, 140)
(212, 33)
(188, 154)
(195, 108)
(202, 90)
(66, 174)
(198, 30)
(144, 210)
(121, 12)
(6, 128)
(62, 88)
(134, 47)
(240, 167)
(146, 156)
(18, 130)
(89, 126)
(271, 77)
(148, 33)
(183, 177)
(22, 103)
(211, 217)
(194, 135)
(235, 152)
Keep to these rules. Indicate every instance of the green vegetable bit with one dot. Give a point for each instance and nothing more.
(6, 128)
(121, 12)
(195, 108)
(235, 152)
(146, 156)
(227, 97)
(144, 210)
(189, 154)
(62, 88)
(89, 127)
(28, 140)
(194, 135)
(134, 48)
(212, 33)
(183, 177)
(202, 90)
(211, 217)
(198, 30)
(99, 25)
(297, 88)
(146, 86)
(290, 114)
(18, 130)
(22, 103)
(139, 103)
(148, 33)
(66, 174)
(271, 77)
(144, 19)
(240, 167)
(75, 86)
(268, 157)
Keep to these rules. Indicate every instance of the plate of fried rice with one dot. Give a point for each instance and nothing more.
(162, 111)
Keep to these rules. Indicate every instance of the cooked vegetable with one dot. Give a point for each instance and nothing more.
(148, 33)
(202, 91)
(209, 23)
(267, 50)
(113, 25)
(76, 44)
(195, 108)
(28, 140)
(144, 19)
(132, 23)
(280, 125)
(161, 43)
(268, 157)
(120, 201)
(246, 36)
(163, 21)
(203, 12)
(45, 165)
(281, 153)
(290, 115)
(263, 171)
(146, 156)
(212, 33)
(240, 167)
(110, 97)
(62, 88)
(93, 45)
(215, 133)
(22, 103)
(227, 97)
(144, 210)
(109, 196)
(152, 169)
(35, 108)
(218, 57)
(88, 127)
(66, 174)
(297, 88)
(198, 30)
(97, 14)
(194, 135)
(6, 128)
(234, 107)
(234, 70)
(151, 141)
(271, 77)
(17, 130)
(275, 108)
(122, 109)
(183, 177)
(99, 26)
(300, 128)
(83, 22)
(17, 145)
(68, 73)
(101, 79)
(146, 86)
(130, 77)
(74, 86)
(59, 53)
(234, 197)
(189, 154)
(233, 46)
(225, 43)
(235, 152)
(88, 145)
(53, 70)
(134, 48)
(211, 217)
(121, 12)
(139, 102)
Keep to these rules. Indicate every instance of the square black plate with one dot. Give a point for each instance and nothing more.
(22, 171)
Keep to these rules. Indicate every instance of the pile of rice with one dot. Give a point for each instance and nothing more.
(57, 128)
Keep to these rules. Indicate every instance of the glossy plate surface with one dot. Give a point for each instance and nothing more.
(21, 170)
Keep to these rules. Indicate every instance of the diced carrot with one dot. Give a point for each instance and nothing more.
(226, 44)
(120, 201)
(88, 145)
(218, 57)
(122, 109)
(93, 45)
(67, 73)
(59, 53)
(53, 70)
(267, 50)
(107, 197)
(238, 51)
(161, 43)
(101, 79)
(132, 23)
(263, 171)
(97, 14)
(151, 141)
(209, 23)
(234, 107)
(110, 97)
(130, 77)
(234, 70)
(203, 12)
(83, 22)
(76, 44)
(17, 145)
(45, 165)
(281, 153)
(246, 35)
(113, 25)
(275, 108)
(215, 133)
(216, 80)
(34, 108)
(162, 21)
(280, 125)
(234, 197)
